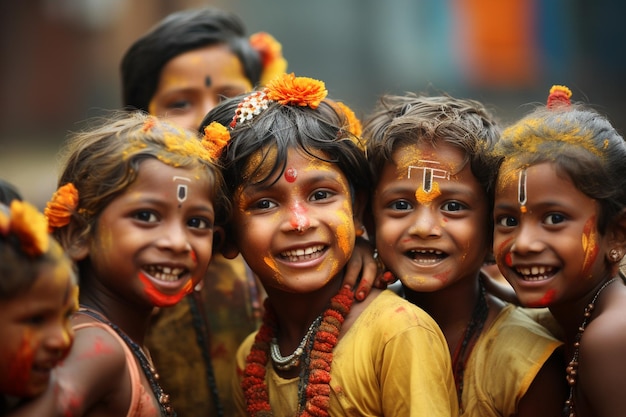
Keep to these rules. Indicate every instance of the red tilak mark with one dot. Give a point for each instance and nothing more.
(545, 300)
(163, 300)
(291, 174)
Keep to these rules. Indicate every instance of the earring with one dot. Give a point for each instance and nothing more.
(615, 255)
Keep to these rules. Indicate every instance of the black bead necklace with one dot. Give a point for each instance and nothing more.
(572, 367)
(149, 371)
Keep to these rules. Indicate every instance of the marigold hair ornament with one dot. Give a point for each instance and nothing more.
(559, 96)
(60, 208)
(285, 89)
(28, 225)
(271, 52)
(216, 137)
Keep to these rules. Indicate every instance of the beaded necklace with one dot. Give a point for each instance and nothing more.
(146, 365)
(313, 388)
(572, 368)
(472, 332)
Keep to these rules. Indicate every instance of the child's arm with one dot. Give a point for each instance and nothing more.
(548, 391)
(93, 374)
(363, 270)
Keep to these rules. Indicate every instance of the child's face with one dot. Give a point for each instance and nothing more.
(153, 243)
(546, 242)
(194, 82)
(431, 217)
(36, 332)
(298, 233)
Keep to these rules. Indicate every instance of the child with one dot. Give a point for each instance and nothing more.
(135, 209)
(432, 212)
(38, 294)
(298, 181)
(560, 234)
(179, 70)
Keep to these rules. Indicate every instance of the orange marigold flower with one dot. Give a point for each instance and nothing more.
(354, 124)
(271, 52)
(5, 221)
(31, 228)
(216, 137)
(559, 96)
(59, 209)
(287, 89)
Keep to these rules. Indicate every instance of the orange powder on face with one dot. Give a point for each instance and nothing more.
(269, 261)
(345, 230)
(589, 245)
(425, 198)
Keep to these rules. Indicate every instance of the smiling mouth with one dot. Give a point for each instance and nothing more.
(536, 273)
(164, 273)
(426, 256)
(298, 255)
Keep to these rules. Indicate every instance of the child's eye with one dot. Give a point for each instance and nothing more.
(199, 223)
(179, 104)
(506, 221)
(554, 218)
(320, 195)
(145, 216)
(264, 204)
(36, 320)
(453, 206)
(400, 205)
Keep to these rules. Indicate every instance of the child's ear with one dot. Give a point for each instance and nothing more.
(617, 239)
(227, 245)
(74, 242)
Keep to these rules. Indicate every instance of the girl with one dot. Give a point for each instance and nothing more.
(135, 209)
(298, 180)
(38, 294)
(179, 70)
(560, 234)
(432, 210)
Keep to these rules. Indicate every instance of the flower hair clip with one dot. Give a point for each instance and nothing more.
(216, 137)
(285, 89)
(271, 52)
(559, 96)
(28, 225)
(59, 209)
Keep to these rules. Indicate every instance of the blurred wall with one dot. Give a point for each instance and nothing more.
(59, 58)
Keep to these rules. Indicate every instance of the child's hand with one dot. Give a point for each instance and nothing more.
(363, 269)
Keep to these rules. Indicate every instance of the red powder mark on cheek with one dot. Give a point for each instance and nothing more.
(194, 257)
(546, 300)
(164, 300)
(291, 174)
(21, 364)
(508, 259)
(443, 277)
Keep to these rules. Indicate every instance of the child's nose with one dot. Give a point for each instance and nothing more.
(59, 337)
(425, 223)
(298, 218)
(527, 240)
(175, 238)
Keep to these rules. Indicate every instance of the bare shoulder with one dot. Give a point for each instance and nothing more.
(95, 371)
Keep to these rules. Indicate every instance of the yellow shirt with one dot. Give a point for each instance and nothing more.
(504, 363)
(393, 361)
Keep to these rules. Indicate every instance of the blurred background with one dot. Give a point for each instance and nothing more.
(59, 59)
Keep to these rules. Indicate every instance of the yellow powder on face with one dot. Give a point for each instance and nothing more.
(269, 261)
(260, 164)
(345, 233)
(426, 198)
(507, 176)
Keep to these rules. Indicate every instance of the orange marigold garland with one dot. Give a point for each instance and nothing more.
(216, 137)
(271, 52)
(59, 209)
(28, 225)
(287, 89)
(559, 96)
(317, 377)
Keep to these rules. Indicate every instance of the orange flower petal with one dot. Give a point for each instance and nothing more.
(216, 137)
(287, 89)
(60, 208)
(31, 228)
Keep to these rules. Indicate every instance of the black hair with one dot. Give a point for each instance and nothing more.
(178, 33)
